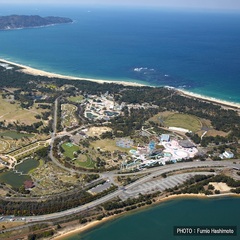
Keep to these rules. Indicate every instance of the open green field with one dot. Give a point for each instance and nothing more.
(158, 118)
(108, 145)
(86, 162)
(15, 135)
(189, 122)
(76, 99)
(69, 149)
(13, 112)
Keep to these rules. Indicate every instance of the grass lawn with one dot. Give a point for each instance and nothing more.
(76, 99)
(158, 118)
(186, 121)
(108, 145)
(6, 225)
(88, 163)
(6, 107)
(215, 133)
(69, 149)
(15, 135)
(13, 112)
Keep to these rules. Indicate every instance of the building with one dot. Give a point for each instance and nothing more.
(28, 184)
(226, 154)
(142, 149)
(186, 144)
(179, 129)
(165, 138)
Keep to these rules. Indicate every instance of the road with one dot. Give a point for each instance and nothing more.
(132, 187)
(54, 136)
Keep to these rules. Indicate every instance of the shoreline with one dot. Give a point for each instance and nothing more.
(208, 99)
(37, 72)
(78, 229)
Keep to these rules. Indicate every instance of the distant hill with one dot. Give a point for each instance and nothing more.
(22, 21)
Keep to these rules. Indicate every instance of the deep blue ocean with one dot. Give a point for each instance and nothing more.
(196, 51)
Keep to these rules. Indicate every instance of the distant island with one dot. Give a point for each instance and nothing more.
(23, 21)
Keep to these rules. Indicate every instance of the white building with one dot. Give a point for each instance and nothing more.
(178, 129)
(165, 138)
(226, 154)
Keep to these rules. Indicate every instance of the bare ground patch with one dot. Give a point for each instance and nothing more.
(97, 131)
(223, 187)
(215, 133)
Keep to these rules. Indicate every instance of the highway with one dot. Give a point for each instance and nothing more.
(155, 173)
(132, 188)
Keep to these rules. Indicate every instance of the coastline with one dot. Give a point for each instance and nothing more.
(208, 99)
(37, 72)
(61, 235)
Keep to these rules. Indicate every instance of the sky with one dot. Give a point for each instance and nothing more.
(198, 4)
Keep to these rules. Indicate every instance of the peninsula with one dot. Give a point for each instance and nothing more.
(23, 21)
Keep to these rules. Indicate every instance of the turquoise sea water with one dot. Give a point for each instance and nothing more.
(196, 51)
(157, 223)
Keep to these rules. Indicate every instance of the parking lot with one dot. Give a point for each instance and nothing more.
(159, 184)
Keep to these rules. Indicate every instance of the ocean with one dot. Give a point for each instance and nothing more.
(195, 51)
(158, 222)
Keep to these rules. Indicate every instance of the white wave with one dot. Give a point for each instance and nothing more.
(140, 69)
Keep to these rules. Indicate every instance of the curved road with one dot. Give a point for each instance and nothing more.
(157, 172)
(54, 136)
(154, 172)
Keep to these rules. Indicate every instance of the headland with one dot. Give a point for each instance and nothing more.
(23, 21)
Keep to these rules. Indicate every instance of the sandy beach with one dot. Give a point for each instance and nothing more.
(37, 72)
(68, 232)
(209, 99)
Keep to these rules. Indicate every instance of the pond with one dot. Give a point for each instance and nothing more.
(90, 115)
(110, 114)
(15, 179)
(27, 165)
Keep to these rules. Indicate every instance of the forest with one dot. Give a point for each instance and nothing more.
(166, 99)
